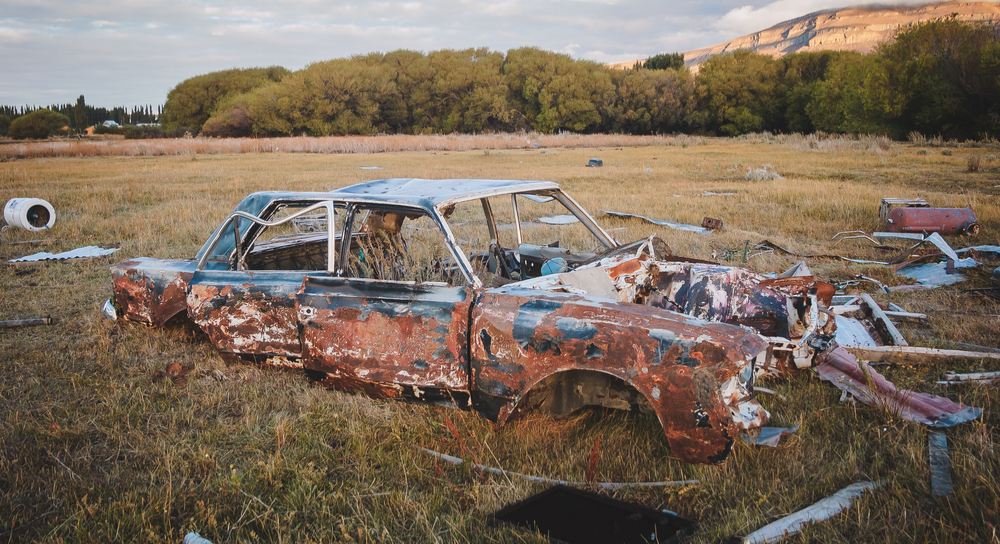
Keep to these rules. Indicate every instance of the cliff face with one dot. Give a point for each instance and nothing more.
(851, 29)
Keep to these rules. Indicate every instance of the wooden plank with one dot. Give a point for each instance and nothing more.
(916, 355)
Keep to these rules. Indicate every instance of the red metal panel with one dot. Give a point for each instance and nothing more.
(943, 220)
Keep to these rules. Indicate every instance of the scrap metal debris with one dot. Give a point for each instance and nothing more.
(743, 252)
(916, 355)
(79, 253)
(952, 378)
(937, 444)
(711, 223)
(889, 203)
(822, 510)
(16, 323)
(575, 516)
(858, 378)
(662, 222)
(769, 436)
(538, 479)
(559, 220)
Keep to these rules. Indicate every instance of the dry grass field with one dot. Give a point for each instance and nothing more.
(94, 448)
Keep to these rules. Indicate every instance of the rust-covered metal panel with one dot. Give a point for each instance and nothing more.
(151, 291)
(248, 313)
(943, 220)
(370, 334)
(692, 372)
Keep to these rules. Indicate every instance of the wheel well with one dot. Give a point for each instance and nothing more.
(563, 392)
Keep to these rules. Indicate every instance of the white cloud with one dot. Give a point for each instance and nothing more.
(105, 23)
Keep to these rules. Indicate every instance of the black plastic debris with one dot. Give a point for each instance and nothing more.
(595, 162)
(575, 516)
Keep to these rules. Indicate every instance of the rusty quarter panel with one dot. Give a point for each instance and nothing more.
(248, 313)
(386, 332)
(151, 290)
(677, 362)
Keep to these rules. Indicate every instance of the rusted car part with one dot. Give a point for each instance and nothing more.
(559, 352)
(711, 223)
(943, 220)
(839, 367)
(151, 291)
(17, 323)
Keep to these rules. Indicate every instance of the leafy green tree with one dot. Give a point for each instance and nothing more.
(551, 91)
(803, 72)
(665, 61)
(193, 101)
(37, 125)
(739, 93)
(938, 79)
(650, 101)
(80, 114)
(4, 124)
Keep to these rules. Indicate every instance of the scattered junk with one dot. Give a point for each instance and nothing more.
(79, 253)
(595, 163)
(195, 538)
(889, 203)
(176, 373)
(576, 516)
(769, 436)
(952, 378)
(821, 511)
(541, 480)
(17, 323)
(369, 168)
(711, 223)
(924, 220)
(742, 253)
(937, 445)
(33, 214)
(559, 220)
(863, 382)
(663, 223)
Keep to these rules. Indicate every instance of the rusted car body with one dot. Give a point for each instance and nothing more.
(362, 304)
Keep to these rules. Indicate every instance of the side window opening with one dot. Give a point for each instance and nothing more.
(298, 244)
(394, 245)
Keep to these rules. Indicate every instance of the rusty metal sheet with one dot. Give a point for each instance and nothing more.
(251, 313)
(386, 332)
(151, 291)
(839, 367)
(692, 372)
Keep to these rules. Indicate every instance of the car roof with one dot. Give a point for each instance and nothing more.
(428, 193)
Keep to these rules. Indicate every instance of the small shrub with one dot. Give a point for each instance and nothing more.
(917, 138)
(946, 152)
(973, 162)
(101, 129)
(765, 173)
(922, 152)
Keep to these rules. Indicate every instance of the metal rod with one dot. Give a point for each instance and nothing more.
(15, 323)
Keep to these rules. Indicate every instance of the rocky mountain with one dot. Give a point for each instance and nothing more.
(853, 29)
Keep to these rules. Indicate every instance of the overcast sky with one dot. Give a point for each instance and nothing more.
(132, 52)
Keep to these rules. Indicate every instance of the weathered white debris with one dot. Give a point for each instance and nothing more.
(822, 510)
(79, 253)
(937, 445)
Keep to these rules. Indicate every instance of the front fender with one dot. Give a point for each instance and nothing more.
(678, 363)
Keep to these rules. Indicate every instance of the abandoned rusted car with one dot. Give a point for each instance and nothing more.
(488, 295)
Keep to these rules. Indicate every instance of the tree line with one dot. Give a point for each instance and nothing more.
(76, 116)
(937, 78)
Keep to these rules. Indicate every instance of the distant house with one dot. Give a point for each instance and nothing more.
(89, 131)
(111, 124)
